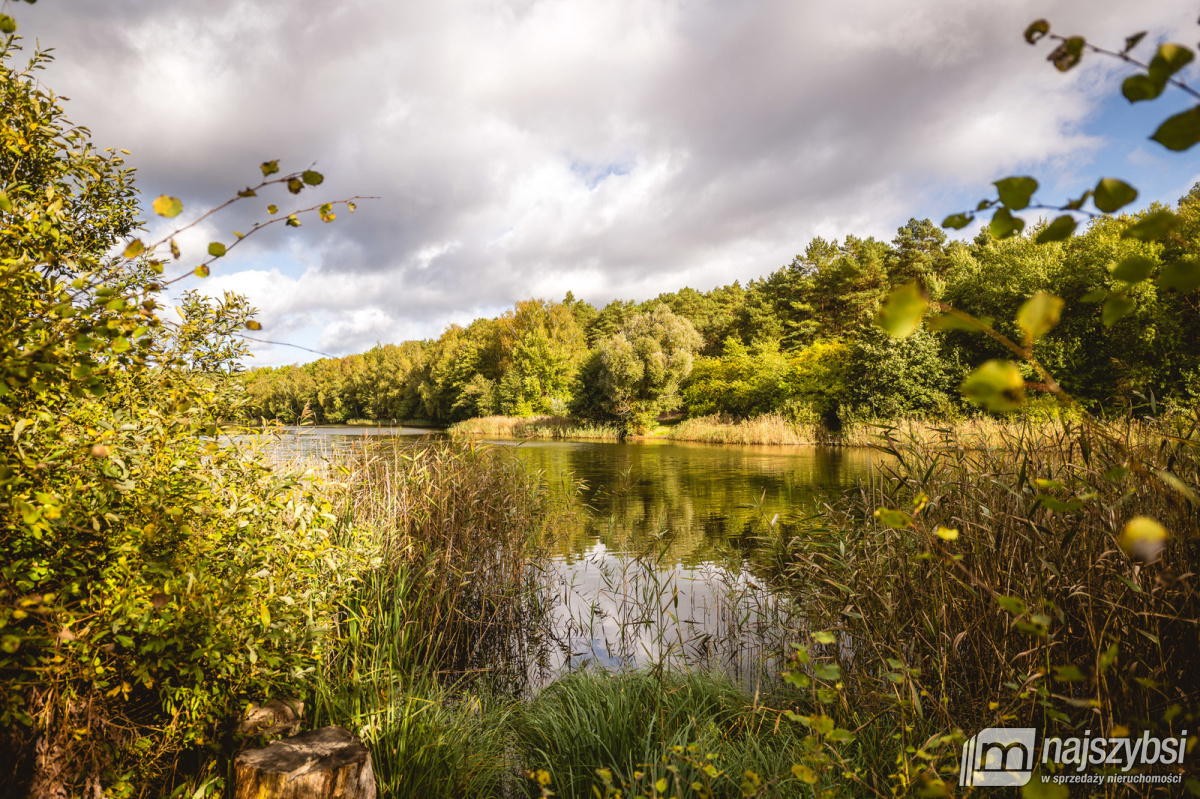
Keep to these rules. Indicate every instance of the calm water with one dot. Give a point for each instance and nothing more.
(656, 569)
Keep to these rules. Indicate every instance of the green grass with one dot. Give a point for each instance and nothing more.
(640, 726)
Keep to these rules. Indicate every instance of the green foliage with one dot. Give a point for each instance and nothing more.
(890, 378)
(152, 581)
(759, 380)
(643, 364)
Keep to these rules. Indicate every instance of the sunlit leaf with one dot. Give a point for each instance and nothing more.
(956, 221)
(1004, 225)
(269, 167)
(135, 248)
(351, 207)
(1067, 54)
(1036, 30)
(1134, 269)
(201, 271)
(216, 249)
(1015, 192)
(312, 177)
(946, 533)
(1152, 227)
(1112, 194)
(1179, 486)
(1169, 59)
(272, 209)
(7, 24)
(1116, 308)
(896, 519)
(1039, 314)
(295, 185)
(1180, 275)
(1143, 538)
(292, 221)
(174, 250)
(251, 324)
(1014, 605)
(168, 206)
(1095, 295)
(1179, 132)
(326, 213)
(804, 774)
(901, 312)
(1060, 229)
(996, 385)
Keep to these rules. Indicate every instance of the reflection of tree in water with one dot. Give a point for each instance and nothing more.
(698, 497)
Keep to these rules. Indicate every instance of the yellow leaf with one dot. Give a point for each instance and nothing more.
(168, 206)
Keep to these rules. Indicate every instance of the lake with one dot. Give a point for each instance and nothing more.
(658, 567)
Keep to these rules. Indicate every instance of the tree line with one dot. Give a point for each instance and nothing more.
(799, 341)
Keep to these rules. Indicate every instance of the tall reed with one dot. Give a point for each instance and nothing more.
(436, 632)
(970, 586)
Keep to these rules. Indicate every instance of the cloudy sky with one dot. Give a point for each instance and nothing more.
(614, 148)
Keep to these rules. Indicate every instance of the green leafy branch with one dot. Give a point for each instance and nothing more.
(1109, 195)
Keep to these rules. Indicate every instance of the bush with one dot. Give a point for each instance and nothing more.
(152, 580)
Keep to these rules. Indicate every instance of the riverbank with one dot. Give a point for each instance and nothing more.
(770, 429)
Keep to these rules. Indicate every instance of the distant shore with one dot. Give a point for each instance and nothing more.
(767, 429)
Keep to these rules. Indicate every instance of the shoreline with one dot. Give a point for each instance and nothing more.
(766, 430)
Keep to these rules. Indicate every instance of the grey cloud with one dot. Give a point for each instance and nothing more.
(635, 145)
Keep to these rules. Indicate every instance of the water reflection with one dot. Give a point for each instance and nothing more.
(654, 569)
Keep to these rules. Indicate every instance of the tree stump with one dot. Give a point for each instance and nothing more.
(328, 763)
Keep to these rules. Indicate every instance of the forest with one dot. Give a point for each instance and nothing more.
(800, 342)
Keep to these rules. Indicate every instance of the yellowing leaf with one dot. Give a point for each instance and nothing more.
(168, 206)
(996, 385)
(946, 533)
(135, 248)
(902, 311)
(1039, 314)
(174, 250)
(896, 519)
(202, 271)
(272, 209)
(1143, 538)
(253, 325)
(269, 167)
(216, 249)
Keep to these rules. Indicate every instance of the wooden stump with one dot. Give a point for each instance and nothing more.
(328, 763)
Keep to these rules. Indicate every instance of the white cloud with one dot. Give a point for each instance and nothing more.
(611, 147)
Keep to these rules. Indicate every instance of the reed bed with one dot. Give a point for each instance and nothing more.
(553, 427)
(433, 642)
(969, 585)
